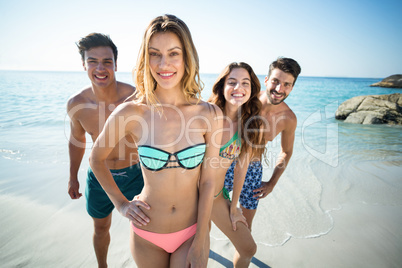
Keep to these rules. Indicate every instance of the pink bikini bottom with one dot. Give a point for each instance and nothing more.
(169, 242)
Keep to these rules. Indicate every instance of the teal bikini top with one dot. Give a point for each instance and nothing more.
(156, 159)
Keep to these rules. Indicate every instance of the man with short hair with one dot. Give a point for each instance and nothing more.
(88, 111)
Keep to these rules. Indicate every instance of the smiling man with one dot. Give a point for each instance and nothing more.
(278, 119)
(88, 111)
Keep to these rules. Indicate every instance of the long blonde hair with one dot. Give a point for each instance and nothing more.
(143, 79)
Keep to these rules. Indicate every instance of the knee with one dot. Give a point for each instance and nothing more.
(252, 250)
(101, 228)
(248, 250)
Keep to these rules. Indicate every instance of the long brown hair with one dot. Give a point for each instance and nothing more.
(250, 110)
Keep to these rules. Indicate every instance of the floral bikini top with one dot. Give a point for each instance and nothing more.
(231, 149)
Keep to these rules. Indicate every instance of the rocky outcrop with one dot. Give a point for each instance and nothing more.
(373, 109)
(394, 81)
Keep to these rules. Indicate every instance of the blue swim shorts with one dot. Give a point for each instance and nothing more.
(129, 180)
(251, 182)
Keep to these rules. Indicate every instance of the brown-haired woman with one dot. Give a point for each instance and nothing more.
(236, 93)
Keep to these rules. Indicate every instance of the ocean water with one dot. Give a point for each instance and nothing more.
(333, 162)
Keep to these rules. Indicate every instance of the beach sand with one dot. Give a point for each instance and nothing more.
(42, 227)
(363, 236)
(45, 237)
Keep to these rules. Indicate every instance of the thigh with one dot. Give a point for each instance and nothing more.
(146, 254)
(179, 257)
(249, 215)
(241, 238)
(252, 181)
(98, 203)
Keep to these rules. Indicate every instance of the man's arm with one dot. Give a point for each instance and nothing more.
(76, 150)
(287, 141)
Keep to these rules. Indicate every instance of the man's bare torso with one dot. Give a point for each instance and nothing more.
(278, 119)
(92, 115)
(275, 121)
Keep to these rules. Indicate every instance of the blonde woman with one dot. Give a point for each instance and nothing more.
(178, 137)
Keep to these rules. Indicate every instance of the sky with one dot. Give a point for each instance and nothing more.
(343, 38)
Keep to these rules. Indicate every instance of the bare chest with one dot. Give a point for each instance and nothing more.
(93, 119)
(273, 125)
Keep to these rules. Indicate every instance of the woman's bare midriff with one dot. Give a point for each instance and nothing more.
(173, 200)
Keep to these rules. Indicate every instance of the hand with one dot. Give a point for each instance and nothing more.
(73, 189)
(265, 189)
(196, 257)
(237, 216)
(134, 213)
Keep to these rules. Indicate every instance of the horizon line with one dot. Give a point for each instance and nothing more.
(205, 73)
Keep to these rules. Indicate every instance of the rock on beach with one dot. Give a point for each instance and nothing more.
(393, 81)
(372, 109)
